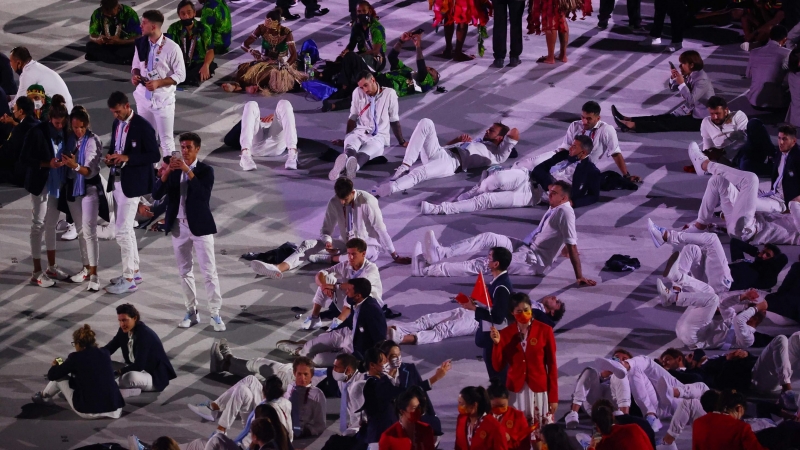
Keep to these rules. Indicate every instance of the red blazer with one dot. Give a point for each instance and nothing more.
(515, 426)
(395, 438)
(536, 366)
(488, 436)
(716, 431)
(625, 437)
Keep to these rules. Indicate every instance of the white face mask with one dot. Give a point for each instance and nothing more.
(38, 104)
(386, 367)
(395, 362)
(340, 377)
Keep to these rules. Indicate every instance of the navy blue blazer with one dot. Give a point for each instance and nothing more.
(148, 354)
(11, 151)
(198, 198)
(92, 378)
(37, 149)
(379, 395)
(500, 290)
(370, 329)
(791, 173)
(142, 151)
(586, 179)
(407, 377)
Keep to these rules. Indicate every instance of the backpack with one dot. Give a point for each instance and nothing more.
(310, 47)
(318, 89)
(622, 263)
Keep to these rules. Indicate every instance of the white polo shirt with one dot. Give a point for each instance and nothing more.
(167, 63)
(375, 121)
(603, 135)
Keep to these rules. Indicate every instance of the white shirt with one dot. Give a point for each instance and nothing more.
(480, 153)
(344, 271)
(732, 331)
(557, 231)
(37, 73)
(122, 134)
(184, 191)
(732, 131)
(564, 171)
(353, 393)
(603, 135)
(167, 64)
(367, 220)
(386, 111)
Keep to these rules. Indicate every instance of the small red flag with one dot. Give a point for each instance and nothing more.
(480, 293)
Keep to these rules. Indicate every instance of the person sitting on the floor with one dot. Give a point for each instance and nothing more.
(85, 378)
(531, 256)
(458, 155)
(616, 436)
(373, 110)
(767, 73)
(594, 384)
(673, 360)
(217, 15)
(692, 82)
(195, 39)
(357, 214)
(405, 375)
(786, 300)
(759, 17)
(760, 273)
(113, 28)
(273, 69)
(518, 432)
(12, 170)
(351, 386)
(270, 135)
(411, 431)
(368, 37)
(726, 429)
(361, 330)
(147, 366)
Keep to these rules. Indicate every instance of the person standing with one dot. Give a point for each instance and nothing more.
(112, 30)
(767, 74)
(187, 184)
(41, 153)
(84, 194)
(634, 14)
(506, 11)
(131, 155)
(157, 68)
(195, 40)
(12, 168)
(32, 72)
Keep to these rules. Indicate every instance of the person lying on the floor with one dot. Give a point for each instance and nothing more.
(760, 273)
(112, 29)
(594, 384)
(786, 300)
(692, 82)
(673, 360)
(458, 155)
(196, 41)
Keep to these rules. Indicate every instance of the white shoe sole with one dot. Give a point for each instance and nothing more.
(697, 157)
(266, 270)
(430, 250)
(351, 167)
(338, 167)
(658, 240)
(663, 292)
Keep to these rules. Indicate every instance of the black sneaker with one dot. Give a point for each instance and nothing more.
(498, 64)
(602, 25)
(513, 62)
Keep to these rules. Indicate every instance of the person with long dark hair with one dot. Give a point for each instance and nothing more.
(409, 432)
(476, 428)
(518, 433)
(724, 429)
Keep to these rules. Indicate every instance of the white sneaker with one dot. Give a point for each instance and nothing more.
(654, 422)
(40, 399)
(71, 234)
(204, 410)
(80, 277)
(106, 232)
(57, 273)
(268, 270)
(190, 319)
(320, 258)
(668, 296)
(290, 347)
(400, 171)
(137, 278)
(217, 323)
(41, 279)
(393, 334)
(432, 250)
(291, 160)
(656, 233)
(697, 157)
(351, 167)
(338, 167)
(311, 323)
(306, 245)
(383, 190)
(123, 287)
(571, 420)
(655, 41)
(469, 194)
(94, 284)
(429, 209)
(663, 446)
(745, 46)
(417, 261)
(62, 226)
(246, 161)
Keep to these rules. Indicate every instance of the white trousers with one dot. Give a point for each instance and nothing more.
(218, 441)
(54, 387)
(162, 120)
(324, 348)
(300, 258)
(44, 209)
(239, 399)
(136, 380)
(436, 327)
(524, 259)
(703, 251)
(589, 389)
(183, 242)
(262, 368)
(84, 212)
(774, 366)
(534, 405)
(510, 188)
(437, 162)
(699, 314)
(268, 139)
(652, 395)
(125, 214)
(363, 146)
(686, 412)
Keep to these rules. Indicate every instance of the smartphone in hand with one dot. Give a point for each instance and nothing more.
(671, 66)
(177, 155)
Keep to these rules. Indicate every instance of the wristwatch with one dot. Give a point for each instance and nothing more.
(77, 168)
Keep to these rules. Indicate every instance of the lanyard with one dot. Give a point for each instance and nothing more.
(151, 57)
(122, 132)
(592, 132)
(471, 431)
(350, 217)
(528, 240)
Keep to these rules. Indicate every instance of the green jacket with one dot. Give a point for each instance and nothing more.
(215, 14)
(127, 19)
(200, 35)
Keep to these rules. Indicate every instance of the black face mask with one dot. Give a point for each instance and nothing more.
(18, 70)
(364, 19)
(351, 301)
(187, 22)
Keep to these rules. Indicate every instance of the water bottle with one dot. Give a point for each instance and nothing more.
(309, 66)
